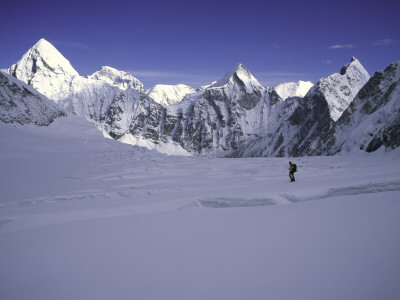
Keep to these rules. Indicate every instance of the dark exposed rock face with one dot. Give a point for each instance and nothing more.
(388, 136)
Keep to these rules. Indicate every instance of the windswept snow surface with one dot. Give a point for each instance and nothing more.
(83, 217)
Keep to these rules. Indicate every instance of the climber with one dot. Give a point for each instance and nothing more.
(292, 169)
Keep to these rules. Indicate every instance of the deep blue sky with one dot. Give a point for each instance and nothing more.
(196, 42)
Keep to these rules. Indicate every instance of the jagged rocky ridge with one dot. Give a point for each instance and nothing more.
(300, 124)
(20, 103)
(236, 116)
(373, 118)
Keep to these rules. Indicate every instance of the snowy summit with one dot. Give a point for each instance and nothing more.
(46, 69)
(169, 94)
(241, 75)
(340, 89)
(293, 89)
(114, 77)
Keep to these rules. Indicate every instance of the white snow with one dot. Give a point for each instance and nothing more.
(166, 95)
(46, 69)
(169, 147)
(84, 217)
(250, 82)
(114, 77)
(340, 89)
(293, 89)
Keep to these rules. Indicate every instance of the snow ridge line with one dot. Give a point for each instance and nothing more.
(224, 202)
(49, 199)
(367, 188)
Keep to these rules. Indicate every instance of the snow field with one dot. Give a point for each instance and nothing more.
(83, 217)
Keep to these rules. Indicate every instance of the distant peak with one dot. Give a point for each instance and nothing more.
(241, 73)
(43, 60)
(110, 69)
(237, 69)
(120, 79)
(110, 72)
(293, 89)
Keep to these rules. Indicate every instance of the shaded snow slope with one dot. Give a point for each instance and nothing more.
(21, 103)
(85, 217)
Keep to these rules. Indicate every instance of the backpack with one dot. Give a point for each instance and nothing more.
(295, 167)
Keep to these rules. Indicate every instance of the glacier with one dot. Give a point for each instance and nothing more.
(86, 217)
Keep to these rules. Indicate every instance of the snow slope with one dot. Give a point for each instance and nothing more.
(83, 217)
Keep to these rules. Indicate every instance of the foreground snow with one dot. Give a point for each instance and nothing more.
(83, 217)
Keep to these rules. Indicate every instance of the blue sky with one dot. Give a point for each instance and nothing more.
(197, 42)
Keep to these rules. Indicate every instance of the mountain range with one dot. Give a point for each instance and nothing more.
(233, 117)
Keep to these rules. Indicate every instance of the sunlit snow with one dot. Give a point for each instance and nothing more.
(84, 217)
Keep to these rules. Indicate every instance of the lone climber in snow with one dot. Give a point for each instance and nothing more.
(292, 169)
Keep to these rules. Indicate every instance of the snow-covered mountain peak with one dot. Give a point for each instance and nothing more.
(339, 89)
(293, 89)
(354, 65)
(43, 57)
(169, 94)
(44, 44)
(114, 77)
(240, 75)
(46, 69)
